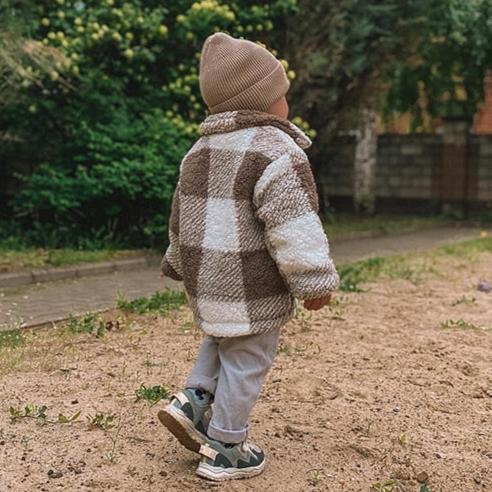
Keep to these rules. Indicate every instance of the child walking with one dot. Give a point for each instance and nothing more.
(246, 239)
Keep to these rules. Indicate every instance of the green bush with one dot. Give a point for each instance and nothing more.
(111, 123)
(119, 188)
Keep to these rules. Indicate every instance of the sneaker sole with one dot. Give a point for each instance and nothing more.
(181, 427)
(218, 474)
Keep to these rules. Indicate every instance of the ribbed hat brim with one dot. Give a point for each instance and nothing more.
(259, 96)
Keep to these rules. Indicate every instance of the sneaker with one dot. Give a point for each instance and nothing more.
(187, 417)
(229, 461)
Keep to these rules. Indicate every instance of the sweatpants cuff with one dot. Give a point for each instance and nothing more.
(227, 436)
(203, 383)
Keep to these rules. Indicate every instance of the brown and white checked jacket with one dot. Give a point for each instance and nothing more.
(245, 235)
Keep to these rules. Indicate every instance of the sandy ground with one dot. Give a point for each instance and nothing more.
(373, 390)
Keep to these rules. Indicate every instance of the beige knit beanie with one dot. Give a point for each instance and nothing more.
(238, 74)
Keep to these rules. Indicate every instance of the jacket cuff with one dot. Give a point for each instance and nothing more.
(313, 285)
(168, 271)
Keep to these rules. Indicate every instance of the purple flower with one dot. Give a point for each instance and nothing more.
(484, 286)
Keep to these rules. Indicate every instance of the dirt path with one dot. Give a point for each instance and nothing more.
(53, 301)
(373, 390)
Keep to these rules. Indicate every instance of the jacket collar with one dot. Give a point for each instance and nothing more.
(237, 120)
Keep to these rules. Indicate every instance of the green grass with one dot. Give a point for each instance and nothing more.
(26, 258)
(11, 339)
(464, 300)
(344, 224)
(101, 420)
(352, 275)
(287, 349)
(162, 302)
(468, 248)
(90, 323)
(412, 267)
(461, 324)
(152, 394)
(28, 411)
(386, 486)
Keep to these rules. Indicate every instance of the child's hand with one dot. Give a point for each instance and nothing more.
(316, 304)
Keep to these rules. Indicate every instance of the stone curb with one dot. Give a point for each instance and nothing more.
(19, 279)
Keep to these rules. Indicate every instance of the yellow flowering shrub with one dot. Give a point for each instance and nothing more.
(112, 120)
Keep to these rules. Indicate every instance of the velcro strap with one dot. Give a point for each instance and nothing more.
(208, 452)
(181, 397)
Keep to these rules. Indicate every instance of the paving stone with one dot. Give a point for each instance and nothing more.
(131, 264)
(15, 279)
(51, 301)
(95, 268)
(52, 274)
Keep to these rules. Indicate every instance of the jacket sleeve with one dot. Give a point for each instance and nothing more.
(171, 262)
(286, 202)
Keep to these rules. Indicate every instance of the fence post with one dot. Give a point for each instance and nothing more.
(452, 178)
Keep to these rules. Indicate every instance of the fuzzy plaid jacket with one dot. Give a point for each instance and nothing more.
(245, 235)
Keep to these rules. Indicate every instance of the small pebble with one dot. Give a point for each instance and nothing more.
(55, 474)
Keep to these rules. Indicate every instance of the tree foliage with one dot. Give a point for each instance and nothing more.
(19, 55)
(111, 120)
(388, 54)
(106, 91)
(445, 77)
(343, 52)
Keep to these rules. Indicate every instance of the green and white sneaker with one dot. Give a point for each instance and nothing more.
(187, 417)
(230, 461)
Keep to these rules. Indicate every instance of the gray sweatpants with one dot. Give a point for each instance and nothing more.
(233, 369)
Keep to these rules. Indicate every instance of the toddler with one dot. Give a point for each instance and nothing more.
(246, 239)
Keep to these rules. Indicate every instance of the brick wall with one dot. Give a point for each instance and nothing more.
(416, 172)
(483, 118)
(484, 165)
(406, 165)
